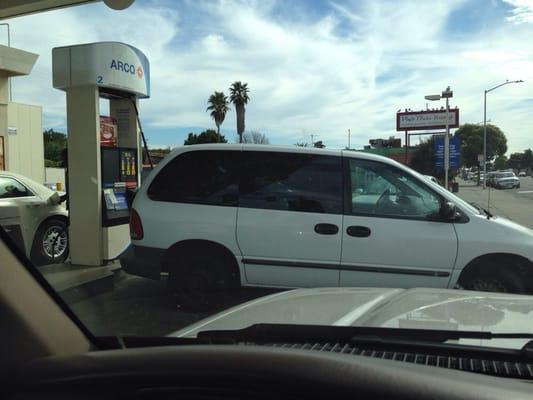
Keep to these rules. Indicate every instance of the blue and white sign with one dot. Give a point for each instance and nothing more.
(455, 152)
(111, 65)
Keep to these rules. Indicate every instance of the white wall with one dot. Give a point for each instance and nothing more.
(24, 145)
(54, 175)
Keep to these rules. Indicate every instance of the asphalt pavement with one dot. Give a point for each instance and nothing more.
(513, 204)
(143, 307)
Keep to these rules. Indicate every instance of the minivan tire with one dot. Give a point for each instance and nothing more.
(200, 281)
(493, 280)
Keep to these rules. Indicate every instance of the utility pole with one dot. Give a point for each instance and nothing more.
(507, 82)
(447, 94)
(312, 140)
(349, 134)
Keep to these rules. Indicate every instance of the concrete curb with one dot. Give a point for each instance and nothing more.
(76, 282)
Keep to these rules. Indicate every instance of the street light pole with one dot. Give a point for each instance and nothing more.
(447, 144)
(485, 141)
(485, 127)
(349, 134)
(434, 97)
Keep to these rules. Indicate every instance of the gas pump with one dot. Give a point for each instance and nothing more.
(104, 152)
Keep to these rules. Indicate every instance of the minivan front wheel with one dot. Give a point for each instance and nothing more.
(493, 280)
(200, 281)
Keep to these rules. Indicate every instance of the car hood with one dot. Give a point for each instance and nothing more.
(419, 308)
(505, 226)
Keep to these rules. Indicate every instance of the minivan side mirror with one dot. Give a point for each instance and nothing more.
(448, 211)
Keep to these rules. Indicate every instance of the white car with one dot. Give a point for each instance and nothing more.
(34, 218)
(217, 216)
(506, 180)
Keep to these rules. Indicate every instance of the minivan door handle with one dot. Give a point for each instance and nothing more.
(326, 229)
(358, 231)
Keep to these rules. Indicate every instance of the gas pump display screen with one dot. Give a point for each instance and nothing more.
(110, 166)
(128, 167)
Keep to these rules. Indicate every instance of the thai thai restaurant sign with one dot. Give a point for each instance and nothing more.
(426, 120)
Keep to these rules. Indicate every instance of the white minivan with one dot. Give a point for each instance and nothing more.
(217, 216)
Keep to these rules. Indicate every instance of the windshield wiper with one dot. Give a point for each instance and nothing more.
(488, 213)
(317, 333)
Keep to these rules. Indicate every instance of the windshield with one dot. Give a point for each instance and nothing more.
(507, 175)
(207, 155)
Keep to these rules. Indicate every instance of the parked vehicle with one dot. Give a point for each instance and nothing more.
(34, 217)
(522, 173)
(506, 180)
(219, 216)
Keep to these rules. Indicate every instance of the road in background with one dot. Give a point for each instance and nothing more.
(513, 204)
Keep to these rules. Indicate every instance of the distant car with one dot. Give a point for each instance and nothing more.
(506, 180)
(522, 173)
(34, 217)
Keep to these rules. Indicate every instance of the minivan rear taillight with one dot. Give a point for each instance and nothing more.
(136, 226)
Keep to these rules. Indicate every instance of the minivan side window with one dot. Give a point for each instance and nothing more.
(10, 188)
(201, 177)
(378, 189)
(291, 182)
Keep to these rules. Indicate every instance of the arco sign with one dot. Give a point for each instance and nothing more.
(108, 65)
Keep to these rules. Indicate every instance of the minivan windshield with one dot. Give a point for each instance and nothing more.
(304, 162)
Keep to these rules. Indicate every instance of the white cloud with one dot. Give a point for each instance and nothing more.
(522, 11)
(353, 67)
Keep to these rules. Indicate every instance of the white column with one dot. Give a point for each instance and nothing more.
(84, 175)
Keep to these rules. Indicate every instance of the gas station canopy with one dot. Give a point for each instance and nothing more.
(111, 66)
(15, 8)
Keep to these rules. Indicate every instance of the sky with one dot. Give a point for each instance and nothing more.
(313, 67)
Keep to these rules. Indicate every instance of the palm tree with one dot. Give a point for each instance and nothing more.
(239, 97)
(219, 106)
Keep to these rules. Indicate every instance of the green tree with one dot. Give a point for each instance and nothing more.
(207, 136)
(528, 159)
(500, 162)
(423, 159)
(319, 144)
(301, 144)
(54, 143)
(471, 137)
(516, 161)
(255, 138)
(219, 106)
(239, 97)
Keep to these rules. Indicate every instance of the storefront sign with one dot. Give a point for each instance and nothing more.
(426, 120)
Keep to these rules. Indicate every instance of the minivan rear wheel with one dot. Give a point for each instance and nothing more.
(200, 281)
(493, 280)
